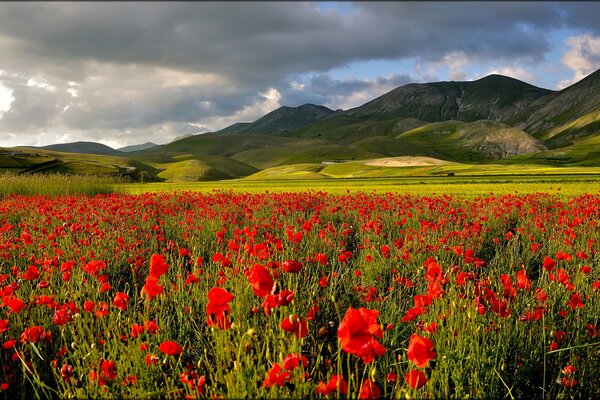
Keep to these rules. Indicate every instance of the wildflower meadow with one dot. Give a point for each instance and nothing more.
(296, 295)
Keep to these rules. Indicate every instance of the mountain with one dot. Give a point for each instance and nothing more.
(84, 148)
(282, 120)
(494, 97)
(137, 147)
(565, 117)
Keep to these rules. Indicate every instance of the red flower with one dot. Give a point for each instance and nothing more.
(136, 330)
(108, 369)
(121, 301)
(569, 370)
(296, 325)
(292, 266)
(152, 288)
(217, 309)
(421, 350)
(31, 273)
(568, 382)
(170, 348)
(261, 280)
(3, 325)
(276, 376)
(336, 384)
(356, 333)
(158, 266)
(151, 359)
(548, 264)
(369, 390)
(291, 361)
(93, 267)
(575, 301)
(522, 281)
(89, 306)
(415, 378)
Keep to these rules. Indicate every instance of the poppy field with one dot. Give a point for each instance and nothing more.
(299, 294)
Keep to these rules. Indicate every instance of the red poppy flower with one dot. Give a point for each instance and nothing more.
(151, 327)
(261, 280)
(292, 266)
(548, 264)
(522, 281)
(108, 369)
(121, 301)
(415, 378)
(152, 288)
(217, 309)
(31, 273)
(170, 348)
(291, 361)
(89, 306)
(575, 301)
(296, 325)
(15, 304)
(158, 266)
(136, 330)
(357, 331)
(421, 350)
(151, 359)
(369, 390)
(276, 376)
(336, 384)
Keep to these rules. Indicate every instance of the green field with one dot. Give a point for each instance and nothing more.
(471, 186)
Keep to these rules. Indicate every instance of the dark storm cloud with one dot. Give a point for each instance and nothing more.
(246, 49)
(263, 42)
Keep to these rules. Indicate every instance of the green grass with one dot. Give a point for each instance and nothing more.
(55, 184)
(468, 187)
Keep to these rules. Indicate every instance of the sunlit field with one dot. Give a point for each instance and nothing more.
(303, 293)
(55, 184)
(471, 187)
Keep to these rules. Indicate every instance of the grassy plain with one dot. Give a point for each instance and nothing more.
(469, 187)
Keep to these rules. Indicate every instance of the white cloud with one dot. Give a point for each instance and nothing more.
(6, 99)
(583, 58)
(514, 72)
(268, 101)
(41, 83)
(456, 62)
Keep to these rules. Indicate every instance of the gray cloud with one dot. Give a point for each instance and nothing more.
(334, 93)
(156, 67)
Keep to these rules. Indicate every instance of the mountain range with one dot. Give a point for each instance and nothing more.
(433, 128)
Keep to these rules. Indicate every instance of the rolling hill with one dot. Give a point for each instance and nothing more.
(136, 147)
(83, 147)
(282, 120)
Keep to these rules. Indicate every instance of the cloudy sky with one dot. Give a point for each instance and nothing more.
(127, 73)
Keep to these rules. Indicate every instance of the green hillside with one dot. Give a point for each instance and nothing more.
(30, 160)
(473, 142)
(207, 168)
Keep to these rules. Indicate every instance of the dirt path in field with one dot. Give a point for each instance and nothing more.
(405, 161)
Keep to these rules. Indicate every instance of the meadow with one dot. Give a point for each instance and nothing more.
(486, 287)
